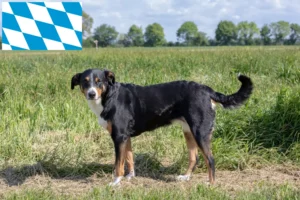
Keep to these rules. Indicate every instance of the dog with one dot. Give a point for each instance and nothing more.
(128, 110)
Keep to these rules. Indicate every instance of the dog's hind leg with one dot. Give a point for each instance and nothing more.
(129, 160)
(204, 142)
(201, 123)
(193, 156)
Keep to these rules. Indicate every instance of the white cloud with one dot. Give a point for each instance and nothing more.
(275, 3)
(159, 4)
(110, 14)
(236, 17)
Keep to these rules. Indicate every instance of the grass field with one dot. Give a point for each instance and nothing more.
(51, 146)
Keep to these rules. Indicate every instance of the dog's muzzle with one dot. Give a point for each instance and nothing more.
(92, 94)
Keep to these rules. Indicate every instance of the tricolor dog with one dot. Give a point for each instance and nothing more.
(128, 110)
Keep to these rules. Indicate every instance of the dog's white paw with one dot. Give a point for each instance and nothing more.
(130, 175)
(183, 177)
(116, 182)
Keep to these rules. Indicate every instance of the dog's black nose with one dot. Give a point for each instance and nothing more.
(92, 94)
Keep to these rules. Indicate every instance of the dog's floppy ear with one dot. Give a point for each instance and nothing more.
(75, 80)
(110, 77)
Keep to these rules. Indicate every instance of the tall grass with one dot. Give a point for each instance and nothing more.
(42, 121)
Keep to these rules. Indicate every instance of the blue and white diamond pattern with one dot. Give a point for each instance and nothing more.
(41, 25)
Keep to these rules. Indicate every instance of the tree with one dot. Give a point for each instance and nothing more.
(124, 40)
(88, 42)
(246, 31)
(170, 44)
(154, 35)
(280, 30)
(257, 41)
(295, 34)
(226, 32)
(105, 35)
(201, 39)
(135, 35)
(187, 33)
(212, 42)
(178, 44)
(87, 23)
(265, 33)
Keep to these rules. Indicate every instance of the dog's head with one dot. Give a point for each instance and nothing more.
(93, 82)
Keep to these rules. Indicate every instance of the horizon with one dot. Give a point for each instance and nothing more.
(171, 14)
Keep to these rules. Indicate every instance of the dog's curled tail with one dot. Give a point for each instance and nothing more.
(238, 98)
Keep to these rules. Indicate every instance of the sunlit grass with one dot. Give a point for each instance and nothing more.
(43, 121)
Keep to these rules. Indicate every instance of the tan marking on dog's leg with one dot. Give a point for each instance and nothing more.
(193, 156)
(129, 160)
(129, 156)
(205, 155)
(210, 176)
(119, 164)
(120, 161)
(193, 151)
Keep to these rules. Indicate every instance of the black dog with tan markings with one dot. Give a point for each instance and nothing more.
(127, 110)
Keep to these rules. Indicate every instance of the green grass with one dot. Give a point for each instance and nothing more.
(263, 192)
(44, 123)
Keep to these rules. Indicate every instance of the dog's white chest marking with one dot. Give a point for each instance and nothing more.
(97, 108)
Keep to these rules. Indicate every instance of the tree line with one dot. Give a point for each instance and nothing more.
(226, 33)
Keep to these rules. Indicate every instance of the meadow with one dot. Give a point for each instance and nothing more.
(51, 146)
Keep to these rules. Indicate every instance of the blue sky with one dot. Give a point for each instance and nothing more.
(172, 13)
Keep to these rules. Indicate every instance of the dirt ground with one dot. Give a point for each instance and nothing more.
(230, 181)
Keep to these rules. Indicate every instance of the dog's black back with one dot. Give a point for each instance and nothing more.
(149, 107)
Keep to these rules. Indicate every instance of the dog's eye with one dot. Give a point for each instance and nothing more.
(85, 82)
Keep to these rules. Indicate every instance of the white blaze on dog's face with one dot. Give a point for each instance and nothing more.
(92, 87)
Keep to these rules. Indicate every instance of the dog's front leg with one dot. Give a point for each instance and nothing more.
(120, 143)
(129, 160)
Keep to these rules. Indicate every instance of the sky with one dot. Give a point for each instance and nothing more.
(171, 14)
